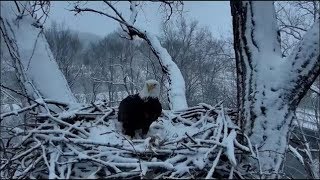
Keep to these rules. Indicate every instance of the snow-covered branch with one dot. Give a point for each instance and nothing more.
(175, 82)
(304, 63)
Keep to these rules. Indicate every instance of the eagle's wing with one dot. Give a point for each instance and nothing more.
(124, 108)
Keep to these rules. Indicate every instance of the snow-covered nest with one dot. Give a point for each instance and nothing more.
(87, 142)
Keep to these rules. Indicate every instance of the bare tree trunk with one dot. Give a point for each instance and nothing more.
(37, 69)
(269, 87)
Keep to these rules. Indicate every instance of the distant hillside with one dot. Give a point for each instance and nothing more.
(87, 37)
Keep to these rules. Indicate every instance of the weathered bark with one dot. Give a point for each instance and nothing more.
(269, 87)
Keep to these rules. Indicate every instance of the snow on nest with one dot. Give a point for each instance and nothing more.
(199, 139)
(163, 136)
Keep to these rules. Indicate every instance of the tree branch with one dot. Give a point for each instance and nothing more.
(304, 64)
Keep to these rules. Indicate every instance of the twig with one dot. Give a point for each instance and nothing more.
(191, 138)
(134, 151)
(214, 164)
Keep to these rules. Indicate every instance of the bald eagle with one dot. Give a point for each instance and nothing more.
(138, 111)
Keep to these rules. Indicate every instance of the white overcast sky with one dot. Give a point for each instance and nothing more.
(215, 15)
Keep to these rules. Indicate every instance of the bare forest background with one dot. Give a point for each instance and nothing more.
(109, 68)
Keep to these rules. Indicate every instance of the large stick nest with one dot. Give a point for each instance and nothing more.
(87, 142)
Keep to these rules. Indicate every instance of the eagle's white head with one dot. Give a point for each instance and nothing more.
(151, 88)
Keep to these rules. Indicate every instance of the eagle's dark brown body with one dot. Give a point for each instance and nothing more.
(136, 113)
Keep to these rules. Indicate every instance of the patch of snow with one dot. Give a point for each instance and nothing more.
(67, 114)
(9, 107)
(17, 130)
